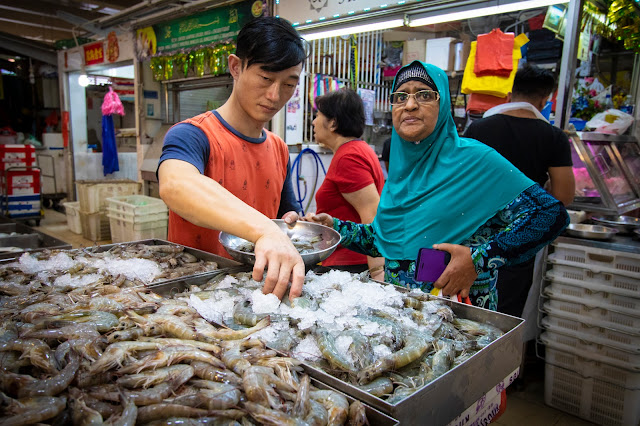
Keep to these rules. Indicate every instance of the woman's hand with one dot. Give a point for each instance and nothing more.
(322, 219)
(459, 274)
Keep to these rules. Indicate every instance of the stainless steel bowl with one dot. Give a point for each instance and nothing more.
(305, 230)
(624, 224)
(595, 232)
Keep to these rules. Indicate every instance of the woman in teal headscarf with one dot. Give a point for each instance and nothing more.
(449, 193)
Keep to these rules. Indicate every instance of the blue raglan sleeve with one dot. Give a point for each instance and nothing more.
(188, 143)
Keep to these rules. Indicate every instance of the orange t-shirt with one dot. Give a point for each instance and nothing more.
(253, 172)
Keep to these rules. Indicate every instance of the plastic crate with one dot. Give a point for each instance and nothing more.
(593, 299)
(123, 229)
(592, 369)
(93, 194)
(596, 281)
(72, 210)
(595, 334)
(593, 316)
(95, 226)
(132, 206)
(592, 351)
(595, 400)
(596, 259)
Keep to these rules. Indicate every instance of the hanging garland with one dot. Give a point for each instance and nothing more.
(208, 60)
(621, 22)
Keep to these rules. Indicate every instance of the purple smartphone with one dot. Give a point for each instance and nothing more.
(431, 264)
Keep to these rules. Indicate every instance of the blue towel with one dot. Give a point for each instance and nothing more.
(109, 151)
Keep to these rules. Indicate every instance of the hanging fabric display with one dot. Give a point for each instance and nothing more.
(494, 54)
(111, 105)
(322, 84)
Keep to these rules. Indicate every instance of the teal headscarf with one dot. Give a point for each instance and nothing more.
(442, 189)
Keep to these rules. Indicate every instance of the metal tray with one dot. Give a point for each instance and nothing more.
(596, 232)
(624, 224)
(29, 239)
(222, 262)
(442, 400)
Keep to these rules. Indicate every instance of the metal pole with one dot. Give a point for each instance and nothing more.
(568, 63)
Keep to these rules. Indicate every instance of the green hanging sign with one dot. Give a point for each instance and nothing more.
(212, 26)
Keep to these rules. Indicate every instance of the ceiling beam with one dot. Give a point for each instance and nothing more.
(29, 48)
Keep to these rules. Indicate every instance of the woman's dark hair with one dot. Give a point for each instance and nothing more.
(345, 107)
(271, 42)
(533, 82)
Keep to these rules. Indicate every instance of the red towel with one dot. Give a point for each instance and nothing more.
(494, 54)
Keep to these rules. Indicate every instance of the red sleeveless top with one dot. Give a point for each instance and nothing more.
(253, 172)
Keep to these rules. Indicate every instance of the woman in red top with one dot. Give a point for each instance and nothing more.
(351, 189)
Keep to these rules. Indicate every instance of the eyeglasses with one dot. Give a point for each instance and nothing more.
(421, 96)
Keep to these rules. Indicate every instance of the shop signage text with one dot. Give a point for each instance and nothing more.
(93, 53)
(215, 25)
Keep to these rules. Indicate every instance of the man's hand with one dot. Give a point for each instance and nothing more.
(275, 252)
(322, 219)
(459, 274)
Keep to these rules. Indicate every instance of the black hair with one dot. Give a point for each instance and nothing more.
(533, 82)
(345, 107)
(271, 42)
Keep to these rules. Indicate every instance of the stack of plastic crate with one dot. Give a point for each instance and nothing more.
(20, 182)
(592, 333)
(92, 195)
(137, 217)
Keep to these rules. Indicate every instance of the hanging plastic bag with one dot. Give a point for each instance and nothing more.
(494, 54)
(491, 84)
(612, 121)
(112, 103)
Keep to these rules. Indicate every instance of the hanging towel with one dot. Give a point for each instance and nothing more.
(494, 54)
(109, 152)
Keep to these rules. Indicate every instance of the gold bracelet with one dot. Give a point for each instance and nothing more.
(376, 269)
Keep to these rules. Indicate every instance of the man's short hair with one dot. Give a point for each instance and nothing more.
(272, 43)
(345, 107)
(533, 82)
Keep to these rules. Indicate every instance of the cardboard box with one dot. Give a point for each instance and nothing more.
(52, 140)
(441, 52)
(400, 35)
(413, 50)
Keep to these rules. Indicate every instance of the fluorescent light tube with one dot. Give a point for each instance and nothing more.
(485, 11)
(385, 25)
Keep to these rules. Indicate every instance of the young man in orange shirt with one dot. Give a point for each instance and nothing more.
(223, 171)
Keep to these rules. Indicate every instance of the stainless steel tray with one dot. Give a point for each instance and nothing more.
(442, 400)
(29, 239)
(222, 262)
